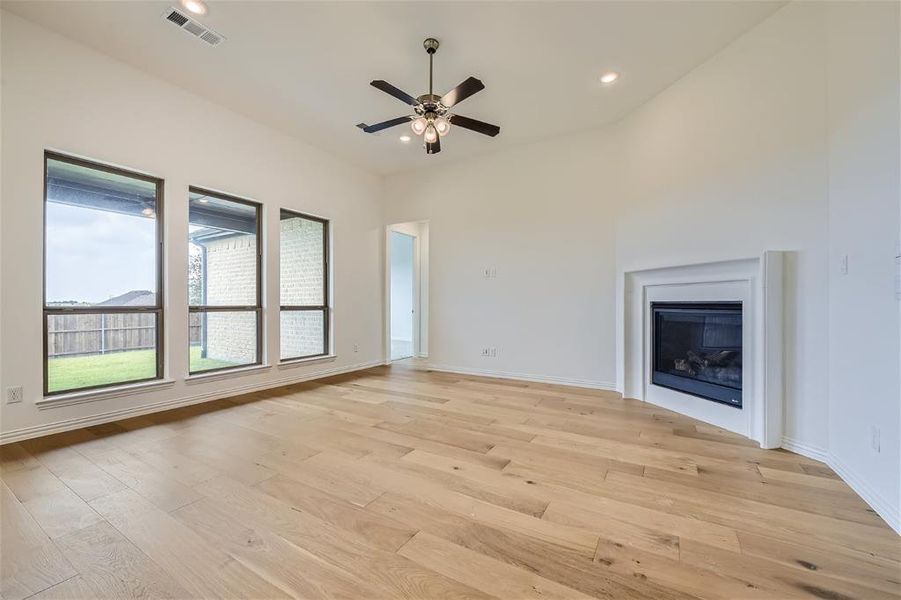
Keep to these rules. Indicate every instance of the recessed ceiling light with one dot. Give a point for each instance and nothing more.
(609, 77)
(405, 138)
(198, 7)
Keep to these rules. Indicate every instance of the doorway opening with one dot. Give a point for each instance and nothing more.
(407, 288)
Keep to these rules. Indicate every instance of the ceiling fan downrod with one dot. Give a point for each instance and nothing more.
(431, 46)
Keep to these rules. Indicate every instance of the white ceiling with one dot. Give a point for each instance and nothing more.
(304, 67)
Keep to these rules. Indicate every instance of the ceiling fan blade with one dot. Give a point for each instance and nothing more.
(474, 125)
(433, 148)
(384, 124)
(390, 89)
(462, 92)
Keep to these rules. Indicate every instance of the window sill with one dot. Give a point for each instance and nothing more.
(296, 362)
(118, 391)
(216, 375)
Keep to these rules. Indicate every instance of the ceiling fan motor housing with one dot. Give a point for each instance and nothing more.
(429, 106)
(430, 45)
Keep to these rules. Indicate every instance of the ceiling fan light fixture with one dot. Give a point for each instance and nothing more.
(431, 135)
(442, 126)
(419, 125)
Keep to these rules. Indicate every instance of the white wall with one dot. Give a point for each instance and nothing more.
(761, 148)
(539, 218)
(61, 95)
(863, 51)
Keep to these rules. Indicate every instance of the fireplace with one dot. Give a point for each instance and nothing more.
(697, 349)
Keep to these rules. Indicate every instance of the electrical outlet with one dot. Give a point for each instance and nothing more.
(486, 351)
(875, 441)
(356, 347)
(843, 265)
(493, 352)
(14, 394)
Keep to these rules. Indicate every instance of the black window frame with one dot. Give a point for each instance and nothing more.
(325, 307)
(156, 309)
(257, 308)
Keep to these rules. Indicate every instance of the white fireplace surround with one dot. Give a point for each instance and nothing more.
(757, 284)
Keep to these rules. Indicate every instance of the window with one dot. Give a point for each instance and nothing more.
(303, 280)
(224, 292)
(103, 284)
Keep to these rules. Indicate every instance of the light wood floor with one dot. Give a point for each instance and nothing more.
(402, 483)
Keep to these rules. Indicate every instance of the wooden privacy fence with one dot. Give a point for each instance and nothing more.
(85, 334)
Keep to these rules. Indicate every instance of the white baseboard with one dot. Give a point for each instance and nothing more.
(25, 433)
(807, 450)
(583, 383)
(890, 514)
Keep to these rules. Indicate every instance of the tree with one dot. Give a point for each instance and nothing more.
(195, 274)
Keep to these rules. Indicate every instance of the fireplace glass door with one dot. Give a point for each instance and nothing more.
(697, 349)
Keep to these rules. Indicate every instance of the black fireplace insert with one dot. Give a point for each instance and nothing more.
(697, 349)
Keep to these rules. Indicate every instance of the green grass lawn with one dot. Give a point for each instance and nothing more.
(75, 372)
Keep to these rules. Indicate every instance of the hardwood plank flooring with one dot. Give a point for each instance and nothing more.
(398, 482)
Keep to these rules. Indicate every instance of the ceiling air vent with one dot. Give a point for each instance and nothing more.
(186, 23)
(211, 38)
(176, 17)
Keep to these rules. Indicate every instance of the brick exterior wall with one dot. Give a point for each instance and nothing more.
(231, 271)
(232, 336)
(231, 280)
(301, 333)
(302, 280)
(301, 273)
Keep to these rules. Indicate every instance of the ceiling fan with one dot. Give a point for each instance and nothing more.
(432, 118)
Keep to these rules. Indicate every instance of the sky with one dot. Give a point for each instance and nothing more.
(118, 256)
